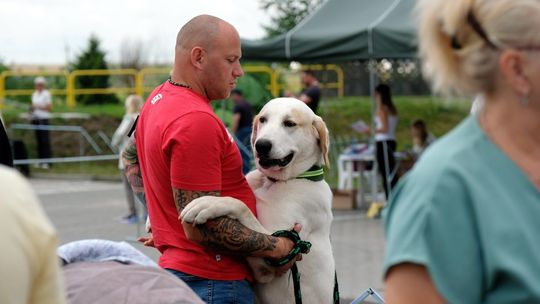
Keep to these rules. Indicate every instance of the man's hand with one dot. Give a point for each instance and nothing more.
(287, 246)
(147, 241)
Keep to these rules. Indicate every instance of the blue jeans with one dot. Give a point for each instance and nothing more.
(218, 292)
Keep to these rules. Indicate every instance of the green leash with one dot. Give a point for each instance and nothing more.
(299, 247)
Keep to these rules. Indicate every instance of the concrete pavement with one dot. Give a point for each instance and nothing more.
(83, 209)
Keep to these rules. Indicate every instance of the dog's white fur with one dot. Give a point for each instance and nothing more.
(283, 203)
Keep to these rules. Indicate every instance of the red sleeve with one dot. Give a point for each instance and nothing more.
(194, 143)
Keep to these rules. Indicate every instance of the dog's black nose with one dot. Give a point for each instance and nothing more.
(263, 147)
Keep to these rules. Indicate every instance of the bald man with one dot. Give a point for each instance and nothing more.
(185, 152)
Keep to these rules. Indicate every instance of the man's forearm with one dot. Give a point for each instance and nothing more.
(129, 154)
(132, 169)
(228, 235)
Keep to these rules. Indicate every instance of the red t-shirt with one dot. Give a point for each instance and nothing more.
(183, 144)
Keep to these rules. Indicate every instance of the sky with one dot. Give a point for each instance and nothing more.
(47, 32)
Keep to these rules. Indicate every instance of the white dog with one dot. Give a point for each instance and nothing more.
(288, 141)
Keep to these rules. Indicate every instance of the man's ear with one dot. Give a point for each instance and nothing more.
(197, 56)
(512, 64)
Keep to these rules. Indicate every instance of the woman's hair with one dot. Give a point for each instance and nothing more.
(386, 97)
(460, 40)
(133, 104)
(420, 125)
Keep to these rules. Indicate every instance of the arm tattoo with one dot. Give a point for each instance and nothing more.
(132, 169)
(228, 235)
(129, 154)
(184, 197)
(225, 234)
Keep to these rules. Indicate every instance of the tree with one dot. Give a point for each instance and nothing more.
(93, 58)
(133, 55)
(288, 13)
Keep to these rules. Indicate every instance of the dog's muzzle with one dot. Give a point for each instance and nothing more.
(272, 162)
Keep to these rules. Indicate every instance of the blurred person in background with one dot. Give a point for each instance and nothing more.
(241, 125)
(119, 141)
(29, 267)
(386, 120)
(311, 95)
(463, 226)
(422, 138)
(41, 108)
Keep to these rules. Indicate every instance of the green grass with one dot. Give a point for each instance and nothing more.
(12, 110)
(113, 110)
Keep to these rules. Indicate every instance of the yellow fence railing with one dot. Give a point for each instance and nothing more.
(139, 77)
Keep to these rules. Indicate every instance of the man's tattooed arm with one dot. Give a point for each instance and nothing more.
(229, 235)
(132, 169)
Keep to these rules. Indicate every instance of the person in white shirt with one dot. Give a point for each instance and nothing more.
(41, 107)
(385, 136)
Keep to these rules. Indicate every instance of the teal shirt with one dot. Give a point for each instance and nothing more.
(470, 216)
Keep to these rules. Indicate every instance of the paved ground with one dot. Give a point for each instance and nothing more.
(82, 209)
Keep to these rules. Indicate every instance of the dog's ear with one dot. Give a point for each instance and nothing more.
(324, 140)
(254, 132)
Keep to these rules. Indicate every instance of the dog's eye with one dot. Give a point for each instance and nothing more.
(262, 119)
(289, 124)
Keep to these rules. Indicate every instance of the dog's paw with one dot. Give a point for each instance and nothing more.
(205, 208)
(191, 212)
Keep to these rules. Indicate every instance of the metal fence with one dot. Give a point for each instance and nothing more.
(84, 138)
(139, 78)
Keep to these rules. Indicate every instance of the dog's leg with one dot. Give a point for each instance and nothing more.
(202, 209)
(255, 179)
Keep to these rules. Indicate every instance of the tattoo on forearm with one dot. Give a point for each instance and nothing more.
(129, 155)
(228, 235)
(184, 197)
(134, 176)
(132, 169)
(225, 234)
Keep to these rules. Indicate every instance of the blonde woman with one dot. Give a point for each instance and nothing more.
(119, 141)
(463, 226)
